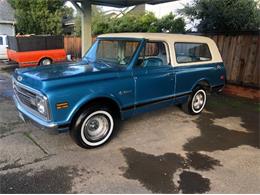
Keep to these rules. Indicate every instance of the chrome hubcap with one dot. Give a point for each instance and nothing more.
(198, 101)
(96, 127)
(46, 62)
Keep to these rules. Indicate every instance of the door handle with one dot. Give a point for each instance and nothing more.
(125, 92)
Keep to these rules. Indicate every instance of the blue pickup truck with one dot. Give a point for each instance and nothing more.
(121, 75)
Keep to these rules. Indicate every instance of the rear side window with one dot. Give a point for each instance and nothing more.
(1, 40)
(192, 52)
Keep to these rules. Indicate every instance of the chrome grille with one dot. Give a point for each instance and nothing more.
(25, 96)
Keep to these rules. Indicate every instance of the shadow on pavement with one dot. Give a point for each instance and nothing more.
(156, 173)
(217, 137)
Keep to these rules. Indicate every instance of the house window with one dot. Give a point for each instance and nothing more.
(192, 52)
(1, 40)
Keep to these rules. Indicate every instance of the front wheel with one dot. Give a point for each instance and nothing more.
(94, 127)
(196, 102)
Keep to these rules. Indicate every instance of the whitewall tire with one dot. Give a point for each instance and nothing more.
(196, 102)
(94, 126)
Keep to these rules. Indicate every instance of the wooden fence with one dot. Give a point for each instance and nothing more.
(240, 53)
(72, 46)
(241, 56)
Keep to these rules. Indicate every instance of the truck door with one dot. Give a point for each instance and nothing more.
(154, 77)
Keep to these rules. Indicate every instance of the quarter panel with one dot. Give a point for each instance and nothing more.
(187, 77)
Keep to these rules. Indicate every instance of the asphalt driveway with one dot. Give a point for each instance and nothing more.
(165, 151)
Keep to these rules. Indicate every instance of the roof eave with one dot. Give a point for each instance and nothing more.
(125, 3)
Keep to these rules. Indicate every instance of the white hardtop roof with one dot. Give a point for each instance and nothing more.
(160, 36)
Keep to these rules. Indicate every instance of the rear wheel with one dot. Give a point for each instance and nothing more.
(196, 102)
(45, 62)
(94, 126)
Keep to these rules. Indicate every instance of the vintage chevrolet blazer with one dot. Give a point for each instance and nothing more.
(121, 75)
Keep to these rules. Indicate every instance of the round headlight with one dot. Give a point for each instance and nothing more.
(40, 103)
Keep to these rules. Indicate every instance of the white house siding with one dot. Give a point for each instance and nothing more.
(6, 18)
(7, 29)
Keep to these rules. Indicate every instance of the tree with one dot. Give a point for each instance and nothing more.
(77, 27)
(138, 22)
(99, 21)
(224, 15)
(39, 16)
(97, 17)
(170, 23)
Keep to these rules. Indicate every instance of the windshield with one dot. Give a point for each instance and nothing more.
(112, 52)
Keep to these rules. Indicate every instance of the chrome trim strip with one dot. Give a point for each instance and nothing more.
(26, 87)
(19, 91)
(33, 117)
(32, 111)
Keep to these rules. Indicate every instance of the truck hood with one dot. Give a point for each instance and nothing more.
(60, 71)
(36, 76)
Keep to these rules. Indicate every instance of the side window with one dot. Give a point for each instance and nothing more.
(129, 50)
(192, 52)
(154, 54)
(1, 40)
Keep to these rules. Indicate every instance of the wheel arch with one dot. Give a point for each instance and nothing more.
(44, 57)
(103, 100)
(204, 83)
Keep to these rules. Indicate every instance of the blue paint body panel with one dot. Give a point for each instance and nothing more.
(134, 90)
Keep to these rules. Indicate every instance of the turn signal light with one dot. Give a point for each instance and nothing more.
(222, 77)
(62, 105)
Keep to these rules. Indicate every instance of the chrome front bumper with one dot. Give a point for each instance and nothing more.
(29, 116)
